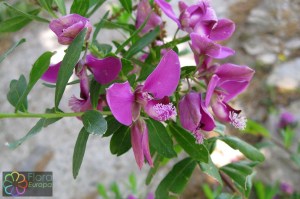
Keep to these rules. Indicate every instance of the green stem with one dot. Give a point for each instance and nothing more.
(45, 115)
(173, 43)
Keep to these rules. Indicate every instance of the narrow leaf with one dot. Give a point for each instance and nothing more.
(27, 15)
(61, 6)
(68, 63)
(160, 139)
(79, 151)
(6, 53)
(16, 90)
(38, 69)
(176, 179)
(142, 43)
(255, 128)
(158, 159)
(95, 8)
(120, 142)
(211, 170)
(47, 5)
(249, 151)
(127, 5)
(94, 123)
(95, 89)
(80, 7)
(188, 143)
(16, 23)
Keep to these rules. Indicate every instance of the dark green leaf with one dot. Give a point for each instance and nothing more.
(67, 65)
(255, 128)
(127, 5)
(95, 93)
(94, 123)
(80, 7)
(211, 170)
(160, 139)
(126, 66)
(99, 26)
(38, 69)
(6, 53)
(188, 143)
(142, 43)
(158, 159)
(120, 142)
(27, 15)
(42, 123)
(61, 6)
(245, 148)
(115, 25)
(112, 126)
(95, 8)
(187, 71)
(79, 151)
(176, 179)
(16, 23)
(16, 90)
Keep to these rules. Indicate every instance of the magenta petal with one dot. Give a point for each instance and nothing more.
(168, 10)
(51, 74)
(145, 145)
(79, 105)
(221, 111)
(223, 30)
(233, 88)
(182, 6)
(84, 83)
(207, 121)
(210, 88)
(104, 70)
(137, 144)
(224, 52)
(234, 72)
(204, 46)
(189, 111)
(120, 100)
(164, 79)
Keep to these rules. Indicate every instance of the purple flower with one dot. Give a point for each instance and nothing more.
(228, 81)
(126, 105)
(51, 74)
(143, 10)
(286, 119)
(286, 188)
(67, 27)
(194, 115)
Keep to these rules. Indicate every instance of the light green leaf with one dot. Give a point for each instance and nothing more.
(80, 7)
(16, 90)
(27, 15)
(79, 151)
(249, 151)
(120, 142)
(142, 43)
(255, 128)
(61, 6)
(102, 191)
(6, 53)
(188, 143)
(127, 5)
(95, 8)
(160, 139)
(16, 23)
(94, 123)
(176, 179)
(67, 65)
(211, 170)
(38, 69)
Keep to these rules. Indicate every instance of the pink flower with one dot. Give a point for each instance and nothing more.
(68, 27)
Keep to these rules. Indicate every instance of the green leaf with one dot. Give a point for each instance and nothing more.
(127, 66)
(160, 139)
(133, 183)
(80, 7)
(157, 161)
(187, 71)
(34, 130)
(6, 53)
(94, 123)
(99, 26)
(255, 128)
(27, 15)
(120, 142)
(127, 5)
(112, 126)
(102, 191)
(116, 25)
(61, 6)
(95, 89)
(79, 151)
(16, 90)
(47, 5)
(16, 23)
(116, 190)
(249, 151)
(67, 65)
(38, 69)
(209, 194)
(176, 179)
(211, 170)
(142, 43)
(95, 8)
(188, 143)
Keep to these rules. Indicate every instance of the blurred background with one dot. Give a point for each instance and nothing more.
(267, 38)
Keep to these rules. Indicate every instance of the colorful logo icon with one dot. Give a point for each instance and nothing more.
(15, 184)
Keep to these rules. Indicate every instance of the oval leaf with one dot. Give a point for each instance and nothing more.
(16, 90)
(94, 123)
(120, 142)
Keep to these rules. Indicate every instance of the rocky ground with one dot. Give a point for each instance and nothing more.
(267, 39)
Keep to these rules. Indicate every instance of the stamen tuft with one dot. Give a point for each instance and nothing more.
(237, 120)
(164, 111)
